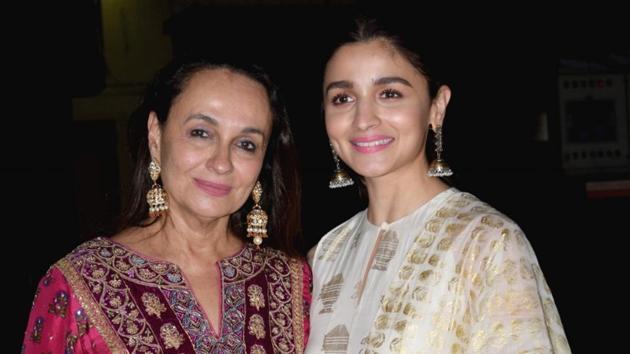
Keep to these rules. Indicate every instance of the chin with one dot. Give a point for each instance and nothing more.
(372, 171)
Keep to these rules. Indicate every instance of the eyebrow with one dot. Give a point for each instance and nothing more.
(214, 122)
(391, 80)
(380, 81)
(338, 84)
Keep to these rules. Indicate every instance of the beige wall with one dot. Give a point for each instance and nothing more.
(134, 47)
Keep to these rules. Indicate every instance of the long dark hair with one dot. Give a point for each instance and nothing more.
(279, 174)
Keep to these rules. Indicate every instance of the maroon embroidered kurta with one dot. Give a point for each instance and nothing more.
(104, 297)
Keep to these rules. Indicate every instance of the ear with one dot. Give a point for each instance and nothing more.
(154, 130)
(438, 106)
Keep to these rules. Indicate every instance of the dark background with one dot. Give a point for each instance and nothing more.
(502, 66)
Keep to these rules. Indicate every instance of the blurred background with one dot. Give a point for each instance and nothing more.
(537, 125)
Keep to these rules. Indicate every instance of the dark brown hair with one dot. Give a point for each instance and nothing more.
(279, 174)
(368, 29)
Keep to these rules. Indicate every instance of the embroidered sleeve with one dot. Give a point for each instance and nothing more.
(511, 305)
(307, 290)
(56, 324)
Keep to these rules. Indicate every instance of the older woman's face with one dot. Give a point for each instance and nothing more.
(212, 146)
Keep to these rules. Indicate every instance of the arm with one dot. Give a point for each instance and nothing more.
(57, 323)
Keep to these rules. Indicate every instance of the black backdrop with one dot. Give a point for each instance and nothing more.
(501, 68)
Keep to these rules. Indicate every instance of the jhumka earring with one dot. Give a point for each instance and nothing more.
(439, 167)
(156, 197)
(340, 177)
(257, 218)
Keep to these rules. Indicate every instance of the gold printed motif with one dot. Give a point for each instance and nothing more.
(400, 326)
(382, 322)
(330, 293)
(256, 326)
(492, 221)
(394, 345)
(419, 293)
(454, 229)
(418, 256)
(256, 296)
(433, 225)
(446, 212)
(386, 250)
(376, 340)
(336, 341)
(171, 336)
(405, 272)
(152, 305)
(445, 244)
(331, 246)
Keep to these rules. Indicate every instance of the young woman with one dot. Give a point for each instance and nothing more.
(426, 268)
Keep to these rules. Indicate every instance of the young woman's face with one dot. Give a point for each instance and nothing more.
(212, 146)
(377, 108)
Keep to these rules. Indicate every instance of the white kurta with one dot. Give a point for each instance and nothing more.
(454, 276)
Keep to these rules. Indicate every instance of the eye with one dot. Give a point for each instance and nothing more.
(199, 133)
(341, 98)
(391, 93)
(247, 146)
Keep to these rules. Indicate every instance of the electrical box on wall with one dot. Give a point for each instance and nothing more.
(594, 121)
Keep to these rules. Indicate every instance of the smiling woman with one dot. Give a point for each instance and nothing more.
(426, 268)
(181, 275)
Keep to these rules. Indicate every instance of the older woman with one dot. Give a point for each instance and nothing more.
(181, 276)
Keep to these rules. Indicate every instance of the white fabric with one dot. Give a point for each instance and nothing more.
(454, 276)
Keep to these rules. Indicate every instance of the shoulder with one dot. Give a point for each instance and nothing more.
(87, 250)
(481, 225)
(466, 209)
(339, 232)
(277, 259)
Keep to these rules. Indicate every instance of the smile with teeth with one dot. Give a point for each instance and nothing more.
(372, 143)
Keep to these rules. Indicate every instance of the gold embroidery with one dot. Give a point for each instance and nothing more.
(98, 273)
(256, 326)
(115, 281)
(256, 296)
(92, 308)
(36, 334)
(336, 340)
(297, 304)
(171, 336)
(257, 349)
(59, 306)
(152, 305)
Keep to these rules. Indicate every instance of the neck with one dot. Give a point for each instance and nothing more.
(189, 241)
(398, 194)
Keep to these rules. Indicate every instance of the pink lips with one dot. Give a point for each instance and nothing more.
(370, 144)
(214, 189)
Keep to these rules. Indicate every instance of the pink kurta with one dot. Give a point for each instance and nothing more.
(103, 297)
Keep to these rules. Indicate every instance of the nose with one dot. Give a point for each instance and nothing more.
(221, 160)
(365, 116)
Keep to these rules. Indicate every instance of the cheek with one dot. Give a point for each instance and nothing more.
(335, 125)
(248, 170)
(410, 119)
